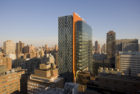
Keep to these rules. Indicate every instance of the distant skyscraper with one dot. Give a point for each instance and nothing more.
(56, 47)
(111, 38)
(103, 49)
(46, 48)
(9, 47)
(75, 46)
(26, 49)
(97, 47)
(29, 51)
(19, 49)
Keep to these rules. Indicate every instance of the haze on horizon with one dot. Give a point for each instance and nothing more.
(35, 21)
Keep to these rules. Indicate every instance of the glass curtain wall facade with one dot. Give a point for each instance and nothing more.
(65, 45)
(83, 46)
(75, 46)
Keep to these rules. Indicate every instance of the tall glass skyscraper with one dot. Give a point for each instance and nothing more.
(75, 46)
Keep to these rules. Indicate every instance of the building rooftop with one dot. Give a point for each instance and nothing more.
(44, 79)
(115, 74)
(121, 77)
(69, 88)
(111, 32)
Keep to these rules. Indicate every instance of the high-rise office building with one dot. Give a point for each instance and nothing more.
(128, 62)
(75, 46)
(9, 47)
(56, 47)
(97, 47)
(127, 45)
(103, 49)
(110, 42)
(19, 49)
(29, 51)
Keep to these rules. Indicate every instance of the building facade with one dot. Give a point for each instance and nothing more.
(19, 49)
(10, 81)
(103, 49)
(9, 48)
(127, 45)
(129, 63)
(97, 47)
(69, 88)
(7, 62)
(110, 43)
(83, 48)
(29, 51)
(74, 39)
(44, 77)
(107, 83)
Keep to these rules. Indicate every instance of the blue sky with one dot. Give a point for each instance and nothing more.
(35, 21)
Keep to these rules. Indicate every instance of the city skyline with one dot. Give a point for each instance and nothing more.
(69, 47)
(35, 22)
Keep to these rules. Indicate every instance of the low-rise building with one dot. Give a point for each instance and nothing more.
(110, 81)
(44, 77)
(69, 88)
(7, 62)
(10, 81)
(128, 62)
